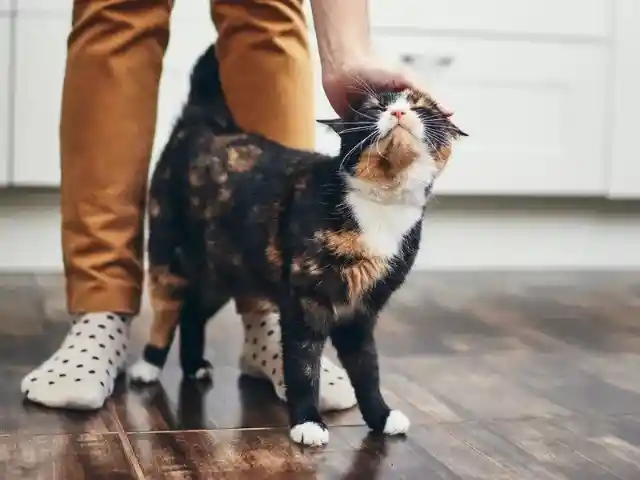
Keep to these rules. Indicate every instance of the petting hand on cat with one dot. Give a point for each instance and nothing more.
(350, 69)
(361, 76)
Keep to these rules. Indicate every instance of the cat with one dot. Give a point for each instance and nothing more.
(327, 239)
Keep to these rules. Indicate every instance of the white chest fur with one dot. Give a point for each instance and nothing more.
(383, 225)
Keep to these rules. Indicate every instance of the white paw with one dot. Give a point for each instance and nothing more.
(310, 433)
(397, 423)
(143, 372)
(204, 373)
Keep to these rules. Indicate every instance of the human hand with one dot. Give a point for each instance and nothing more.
(365, 75)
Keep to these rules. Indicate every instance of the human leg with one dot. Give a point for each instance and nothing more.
(114, 62)
(263, 47)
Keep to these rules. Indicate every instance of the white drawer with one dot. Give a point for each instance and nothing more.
(183, 10)
(41, 51)
(41, 54)
(582, 18)
(535, 113)
(551, 17)
(44, 6)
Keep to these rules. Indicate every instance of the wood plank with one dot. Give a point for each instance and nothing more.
(68, 457)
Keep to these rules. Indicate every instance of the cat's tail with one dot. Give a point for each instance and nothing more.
(205, 86)
(206, 98)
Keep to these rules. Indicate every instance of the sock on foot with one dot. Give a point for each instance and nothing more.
(81, 373)
(262, 358)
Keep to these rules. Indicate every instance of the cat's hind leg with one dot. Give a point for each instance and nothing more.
(167, 289)
(196, 310)
(167, 277)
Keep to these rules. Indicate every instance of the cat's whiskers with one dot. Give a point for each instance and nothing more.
(368, 89)
(355, 147)
(432, 147)
(359, 90)
(438, 136)
(356, 129)
(363, 114)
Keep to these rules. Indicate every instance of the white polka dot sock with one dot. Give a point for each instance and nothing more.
(82, 373)
(262, 358)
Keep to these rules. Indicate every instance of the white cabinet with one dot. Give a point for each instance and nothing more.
(624, 171)
(534, 112)
(5, 92)
(61, 8)
(39, 72)
(5, 6)
(579, 18)
(547, 89)
(41, 30)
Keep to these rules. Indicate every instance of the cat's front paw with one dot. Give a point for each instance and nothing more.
(204, 372)
(397, 423)
(311, 434)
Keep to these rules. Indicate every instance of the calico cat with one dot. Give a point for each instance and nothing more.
(326, 239)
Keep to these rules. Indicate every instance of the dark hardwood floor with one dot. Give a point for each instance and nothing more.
(524, 376)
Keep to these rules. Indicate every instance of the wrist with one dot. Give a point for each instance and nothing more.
(336, 61)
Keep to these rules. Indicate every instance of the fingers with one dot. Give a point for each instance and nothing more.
(345, 89)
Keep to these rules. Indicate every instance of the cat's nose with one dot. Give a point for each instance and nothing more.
(397, 113)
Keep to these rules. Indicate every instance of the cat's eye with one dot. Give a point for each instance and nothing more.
(425, 111)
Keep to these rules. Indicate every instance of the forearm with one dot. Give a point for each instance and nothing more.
(342, 30)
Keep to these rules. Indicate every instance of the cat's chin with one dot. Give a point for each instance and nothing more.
(403, 138)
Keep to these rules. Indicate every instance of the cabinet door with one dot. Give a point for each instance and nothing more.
(624, 170)
(535, 112)
(40, 62)
(579, 18)
(5, 92)
(37, 7)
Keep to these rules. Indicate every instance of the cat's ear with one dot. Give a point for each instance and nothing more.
(455, 131)
(335, 124)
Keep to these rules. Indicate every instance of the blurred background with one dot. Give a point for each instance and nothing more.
(547, 89)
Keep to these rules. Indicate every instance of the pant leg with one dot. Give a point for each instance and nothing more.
(267, 76)
(109, 103)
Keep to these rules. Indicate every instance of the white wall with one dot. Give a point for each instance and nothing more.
(550, 101)
(462, 233)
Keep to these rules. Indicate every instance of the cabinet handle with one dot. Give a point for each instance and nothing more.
(442, 61)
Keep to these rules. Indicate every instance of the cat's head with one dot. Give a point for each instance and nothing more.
(395, 137)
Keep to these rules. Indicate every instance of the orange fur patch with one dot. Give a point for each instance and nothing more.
(362, 276)
(442, 156)
(254, 306)
(365, 272)
(242, 158)
(166, 293)
(274, 257)
(420, 99)
(384, 161)
(342, 242)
